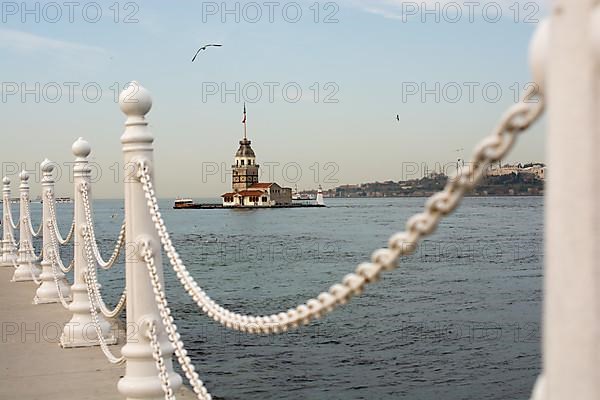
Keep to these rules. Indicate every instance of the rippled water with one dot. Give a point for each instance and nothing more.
(458, 320)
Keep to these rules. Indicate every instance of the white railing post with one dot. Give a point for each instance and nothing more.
(9, 250)
(47, 292)
(28, 265)
(141, 380)
(571, 318)
(79, 331)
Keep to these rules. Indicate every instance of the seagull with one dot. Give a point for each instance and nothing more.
(204, 48)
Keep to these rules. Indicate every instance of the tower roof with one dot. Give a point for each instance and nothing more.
(245, 150)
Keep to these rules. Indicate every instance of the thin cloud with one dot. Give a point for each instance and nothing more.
(384, 13)
(25, 42)
(392, 9)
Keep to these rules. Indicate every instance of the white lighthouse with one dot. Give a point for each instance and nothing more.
(320, 200)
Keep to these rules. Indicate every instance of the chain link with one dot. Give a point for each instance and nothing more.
(91, 272)
(160, 362)
(9, 232)
(165, 313)
(54, 220)
(94, 313)
(493, 148)
(9, 212)
(53, 263)
(54, 258)
(33, 277)
(25, 199)
(31, 250)
(56, 249)
(96, 302)
(90, 224)
(25, 246)
(14, 242)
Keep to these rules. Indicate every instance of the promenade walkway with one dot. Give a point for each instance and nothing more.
(32, 363)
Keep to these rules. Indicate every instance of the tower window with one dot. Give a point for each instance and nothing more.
(242, 162)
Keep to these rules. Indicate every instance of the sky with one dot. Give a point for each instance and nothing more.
(324, 83)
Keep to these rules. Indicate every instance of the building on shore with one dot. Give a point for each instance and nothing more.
(247, 191)
(536, 169)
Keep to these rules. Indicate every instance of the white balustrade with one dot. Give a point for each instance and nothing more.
(9, 249)
(141, 380)
(565, 61)
(47, 292)
(28, 265)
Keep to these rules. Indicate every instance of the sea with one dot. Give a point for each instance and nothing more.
(459, 319)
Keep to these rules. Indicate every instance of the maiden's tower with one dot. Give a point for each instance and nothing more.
(247, 191)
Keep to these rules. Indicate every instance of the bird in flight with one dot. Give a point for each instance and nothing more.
(204, 48)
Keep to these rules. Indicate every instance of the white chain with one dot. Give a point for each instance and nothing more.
(493, 148)
(11, 237)
(9, 212)
(8, 219)
(25, 199)
(91, 271)
(160, 362)
(52, 209)
(27, 246)
(56, 249)
(109, 355)
(33, 277)
(171, 328)
(90, 223)
(54, 257)
(96, 302)
(55, 260)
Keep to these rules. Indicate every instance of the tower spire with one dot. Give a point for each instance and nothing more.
(244, 122)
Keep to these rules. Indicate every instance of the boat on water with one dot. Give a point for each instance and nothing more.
(301, 196)
(183, 203)
(58, 200)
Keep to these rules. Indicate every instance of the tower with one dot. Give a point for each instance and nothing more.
(245, 169)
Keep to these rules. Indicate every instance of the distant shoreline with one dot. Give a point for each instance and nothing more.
(429, 195)
(362, 197)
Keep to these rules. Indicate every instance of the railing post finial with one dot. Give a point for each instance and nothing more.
(135, 102)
